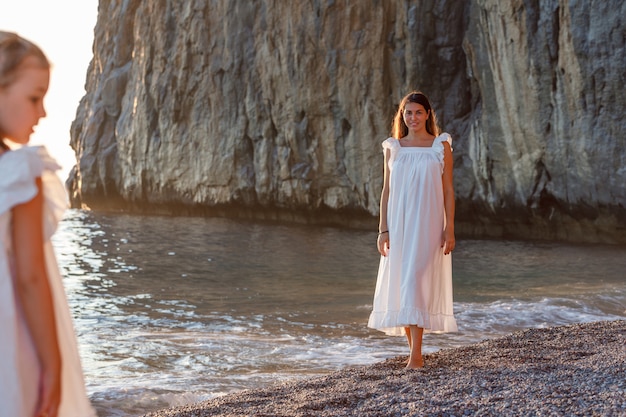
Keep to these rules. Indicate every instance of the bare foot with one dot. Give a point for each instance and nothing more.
(416, 364)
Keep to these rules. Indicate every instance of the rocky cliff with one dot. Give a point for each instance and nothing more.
(277, 109)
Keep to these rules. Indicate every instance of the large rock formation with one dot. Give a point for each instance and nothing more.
(277, 109)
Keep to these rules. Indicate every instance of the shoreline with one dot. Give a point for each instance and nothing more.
(578, 369)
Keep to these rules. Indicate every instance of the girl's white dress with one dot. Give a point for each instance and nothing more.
(414, 283)
(19, 368)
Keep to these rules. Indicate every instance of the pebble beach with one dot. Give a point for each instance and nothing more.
(574, 370)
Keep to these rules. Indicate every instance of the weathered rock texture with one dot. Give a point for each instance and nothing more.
(276, 109)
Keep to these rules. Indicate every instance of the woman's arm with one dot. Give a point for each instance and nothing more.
(33, 290)
(383, 238)
(448, 200)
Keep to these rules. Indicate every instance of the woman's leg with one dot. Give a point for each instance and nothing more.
(407, 330)
(415, 358)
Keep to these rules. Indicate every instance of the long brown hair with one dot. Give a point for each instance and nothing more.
(13, 52)
(399, 129)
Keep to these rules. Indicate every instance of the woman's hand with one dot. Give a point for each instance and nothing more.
(448, 241)
(383, 243)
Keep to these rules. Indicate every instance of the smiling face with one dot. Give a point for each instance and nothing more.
(21, 102)
(415, 116)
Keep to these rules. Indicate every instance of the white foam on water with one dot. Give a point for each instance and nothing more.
(160, 326)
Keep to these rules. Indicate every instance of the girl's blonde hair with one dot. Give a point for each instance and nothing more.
(13, 52)
(399, 129)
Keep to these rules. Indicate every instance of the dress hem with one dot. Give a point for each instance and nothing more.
(393, 322)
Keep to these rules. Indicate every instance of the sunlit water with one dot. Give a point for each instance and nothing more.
(171, 311)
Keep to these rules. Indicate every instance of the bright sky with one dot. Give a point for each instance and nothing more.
(64, 30)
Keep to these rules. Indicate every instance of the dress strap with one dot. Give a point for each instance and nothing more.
(438, 146)
(19, 170)
(393, 145)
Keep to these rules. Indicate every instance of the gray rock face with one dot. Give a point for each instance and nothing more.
(277, 110)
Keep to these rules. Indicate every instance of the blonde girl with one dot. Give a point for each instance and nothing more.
(39, 364)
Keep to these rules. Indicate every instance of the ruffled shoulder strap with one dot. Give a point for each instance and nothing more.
(390, 143)
(438, 146)
(444, 137)
(18, 171)
(393, 145)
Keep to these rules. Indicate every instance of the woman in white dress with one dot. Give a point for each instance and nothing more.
(40, 371)
(416, 229)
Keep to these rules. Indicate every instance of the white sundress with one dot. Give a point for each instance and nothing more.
(19, 367)
(414, 283)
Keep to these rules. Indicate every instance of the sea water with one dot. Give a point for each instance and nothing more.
(174, 310)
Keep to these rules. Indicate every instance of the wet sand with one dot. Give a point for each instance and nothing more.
(561, 371)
